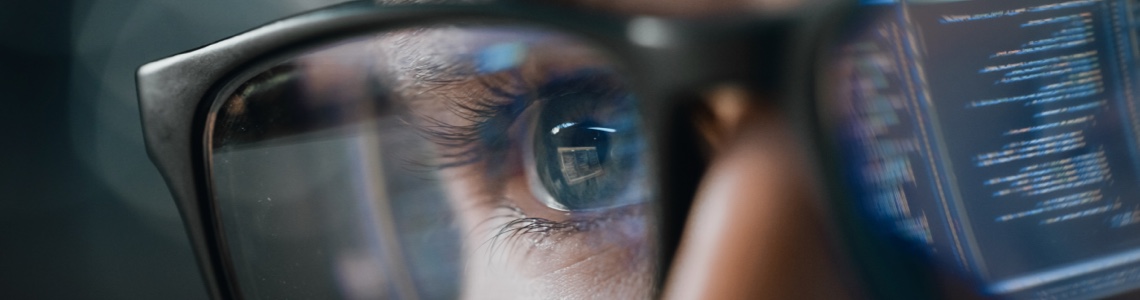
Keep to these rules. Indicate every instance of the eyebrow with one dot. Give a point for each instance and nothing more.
(415, 61)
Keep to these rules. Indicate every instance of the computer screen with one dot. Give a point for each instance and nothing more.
(1001, 136)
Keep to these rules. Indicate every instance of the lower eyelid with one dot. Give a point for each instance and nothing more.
(545, 239)
(614, 246)
(619, 224)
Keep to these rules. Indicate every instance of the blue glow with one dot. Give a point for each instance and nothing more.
(499, 57)
(610, 130)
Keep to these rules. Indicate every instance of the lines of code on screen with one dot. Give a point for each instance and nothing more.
(1011, 128)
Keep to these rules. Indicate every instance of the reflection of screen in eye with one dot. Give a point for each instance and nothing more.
(1001, 136)
(579, 163)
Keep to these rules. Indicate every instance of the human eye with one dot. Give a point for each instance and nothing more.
(586, 145)
(544, 163)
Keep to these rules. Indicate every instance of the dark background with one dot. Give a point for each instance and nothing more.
(83, 213)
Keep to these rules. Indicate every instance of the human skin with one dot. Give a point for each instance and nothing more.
(613, 260)
(756, 228)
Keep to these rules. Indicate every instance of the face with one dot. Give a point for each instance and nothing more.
(533, 139)
(536, 230)
(486, 160)
(539, 151)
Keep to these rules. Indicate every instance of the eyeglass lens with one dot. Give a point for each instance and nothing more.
(435, 162)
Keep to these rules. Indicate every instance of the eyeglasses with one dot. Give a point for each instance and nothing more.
(437, 151)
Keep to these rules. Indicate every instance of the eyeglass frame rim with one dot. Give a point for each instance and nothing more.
(176, 93)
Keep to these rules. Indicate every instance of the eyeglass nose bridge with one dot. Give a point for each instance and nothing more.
(682, 56)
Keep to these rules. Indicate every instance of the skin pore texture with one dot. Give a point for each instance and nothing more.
(755, 230)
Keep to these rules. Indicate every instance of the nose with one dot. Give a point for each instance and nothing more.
(756, 228)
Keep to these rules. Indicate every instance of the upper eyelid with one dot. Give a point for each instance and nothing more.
(491, 115)
(488, 117)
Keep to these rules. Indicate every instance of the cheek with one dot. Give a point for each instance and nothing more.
(613, 274)
(620, 236)
(612, 262)
(612, 259)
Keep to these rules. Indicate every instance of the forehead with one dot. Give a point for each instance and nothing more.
(676, 8)
(425, 53)
(685, 8)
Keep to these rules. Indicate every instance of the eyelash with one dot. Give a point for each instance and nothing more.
(520, 225)
(487, 137)
(487, 134)
(490, 119)
(541, 230)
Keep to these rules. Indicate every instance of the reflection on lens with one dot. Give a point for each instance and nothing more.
(403, 164)
(998, 136)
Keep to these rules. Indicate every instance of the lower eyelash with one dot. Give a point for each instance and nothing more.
(523, 225)
(539, 231)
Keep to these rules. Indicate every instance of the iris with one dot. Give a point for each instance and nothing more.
(586, 148)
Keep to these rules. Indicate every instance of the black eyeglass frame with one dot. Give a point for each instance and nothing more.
(774, 55)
